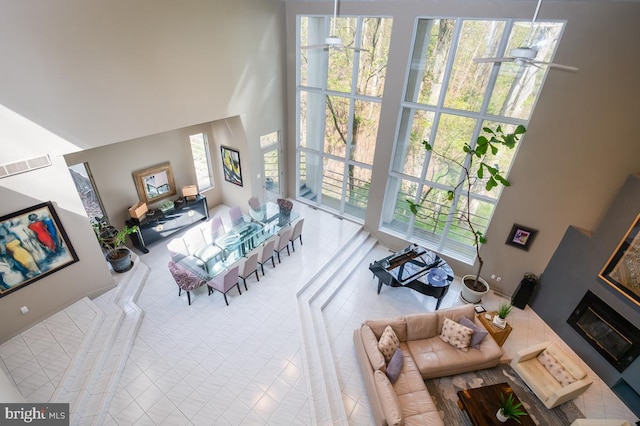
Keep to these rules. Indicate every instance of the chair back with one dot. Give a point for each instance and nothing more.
(177, 249)
(297, 229)
(254, 203)
(284, 239)
(249, 265)
(267, 250)
(184, 278)
(235, 215)
(231, 277)
(216, 228)
(194, 240)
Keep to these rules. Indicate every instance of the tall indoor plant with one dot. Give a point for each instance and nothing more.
(112, 239)
(477, 165)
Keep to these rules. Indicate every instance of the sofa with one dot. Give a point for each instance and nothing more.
(550, 373)
(425, 355)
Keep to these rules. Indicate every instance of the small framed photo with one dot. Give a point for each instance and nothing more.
(521, 237)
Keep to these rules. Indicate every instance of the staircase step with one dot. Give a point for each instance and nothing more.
(325, 395)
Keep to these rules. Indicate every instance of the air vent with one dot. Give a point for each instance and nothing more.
(22, 166)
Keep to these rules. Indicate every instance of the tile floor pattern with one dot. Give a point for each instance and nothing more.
(242, 364)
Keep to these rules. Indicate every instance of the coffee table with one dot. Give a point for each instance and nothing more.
(481, 405)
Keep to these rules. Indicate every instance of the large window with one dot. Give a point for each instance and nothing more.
(339, 97)
(201, 161)
(447, 100)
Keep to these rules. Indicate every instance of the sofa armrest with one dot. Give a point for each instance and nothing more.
(567, 393)
(530, 352)
(368, 377)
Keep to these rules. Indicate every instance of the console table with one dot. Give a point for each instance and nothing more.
(162, 224)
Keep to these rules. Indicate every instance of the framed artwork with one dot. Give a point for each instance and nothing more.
(155, 183)
(521, 237)
(33, 244)
(231, 165)
(622, 271)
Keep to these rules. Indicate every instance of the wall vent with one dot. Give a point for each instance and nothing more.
(22, 166)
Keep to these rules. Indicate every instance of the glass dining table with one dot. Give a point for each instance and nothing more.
(258, 226)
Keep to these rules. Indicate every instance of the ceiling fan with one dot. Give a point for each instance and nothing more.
(526, 54)
(333, 41)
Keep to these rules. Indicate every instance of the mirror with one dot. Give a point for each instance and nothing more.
(155, 183)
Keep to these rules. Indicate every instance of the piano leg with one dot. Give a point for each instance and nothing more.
(438, 302)
(379, 285)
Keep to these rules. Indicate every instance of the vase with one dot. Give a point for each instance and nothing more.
(285, 217)
(500, 417)
(499, 322)
(470, 295)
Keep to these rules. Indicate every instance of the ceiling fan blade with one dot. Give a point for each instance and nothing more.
(315, 46)
(488, 60)
(559, 66)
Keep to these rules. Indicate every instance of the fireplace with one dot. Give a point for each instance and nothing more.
(615, 338)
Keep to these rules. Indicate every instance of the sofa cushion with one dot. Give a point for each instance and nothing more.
(479, 332)
(395, 365)
(573, 369)
(422, 326)
(388, 399)
(398, 324)
(455, 314)
(456, 335)
(370, 342)
(388, 343)
(551, 364)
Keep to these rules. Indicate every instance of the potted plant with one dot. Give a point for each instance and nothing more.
(508, 408)
(503, 312)
(476, 165)
(113, 240)
(285, 207)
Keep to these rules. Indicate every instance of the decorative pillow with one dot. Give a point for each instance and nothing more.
(395, 365)
(554, 368)
(479, 333)
(456, 335)
(388, 343)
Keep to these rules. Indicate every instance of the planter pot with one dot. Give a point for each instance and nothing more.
(499, 322)
(471, 295)
(500, 417)
(120, 259)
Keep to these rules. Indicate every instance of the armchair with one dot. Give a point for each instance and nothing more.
(544, 379)
(185, 279)
(197, 246)
(225, 281)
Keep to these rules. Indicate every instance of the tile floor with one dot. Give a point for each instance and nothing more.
(243, 364)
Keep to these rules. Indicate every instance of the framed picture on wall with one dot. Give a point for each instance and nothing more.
(231, 165)
(622, 270)
(521, 237)
(33, 244)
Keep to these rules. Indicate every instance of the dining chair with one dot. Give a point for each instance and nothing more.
(283, 242)
(248, 267)
(216, 228)
(225, 281)
(296, 234)
(197, 246)
(255, 210)
(236, 217)
(185, 279)
(265, 252)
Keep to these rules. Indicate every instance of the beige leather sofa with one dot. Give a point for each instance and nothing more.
(407, 401)
(542, 382)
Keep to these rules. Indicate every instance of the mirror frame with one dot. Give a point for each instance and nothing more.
(140, 176)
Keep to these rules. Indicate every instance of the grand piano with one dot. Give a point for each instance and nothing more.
(417, 268)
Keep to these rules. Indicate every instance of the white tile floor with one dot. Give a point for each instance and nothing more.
(243, 364)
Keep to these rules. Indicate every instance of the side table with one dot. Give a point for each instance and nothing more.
(498, 334)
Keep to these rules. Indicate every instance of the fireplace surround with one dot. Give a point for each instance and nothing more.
(615, 338)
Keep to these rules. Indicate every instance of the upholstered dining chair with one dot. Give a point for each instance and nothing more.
(185, 279)
(248, 267)
(296, 234)
(217, 228)
(197, 246)
(225, 281)
(236, 217)
(255, 210)
(265, 252)
(283, 242)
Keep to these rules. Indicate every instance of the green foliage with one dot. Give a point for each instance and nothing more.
(504, 310)
(510, 408)
(112, 238)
